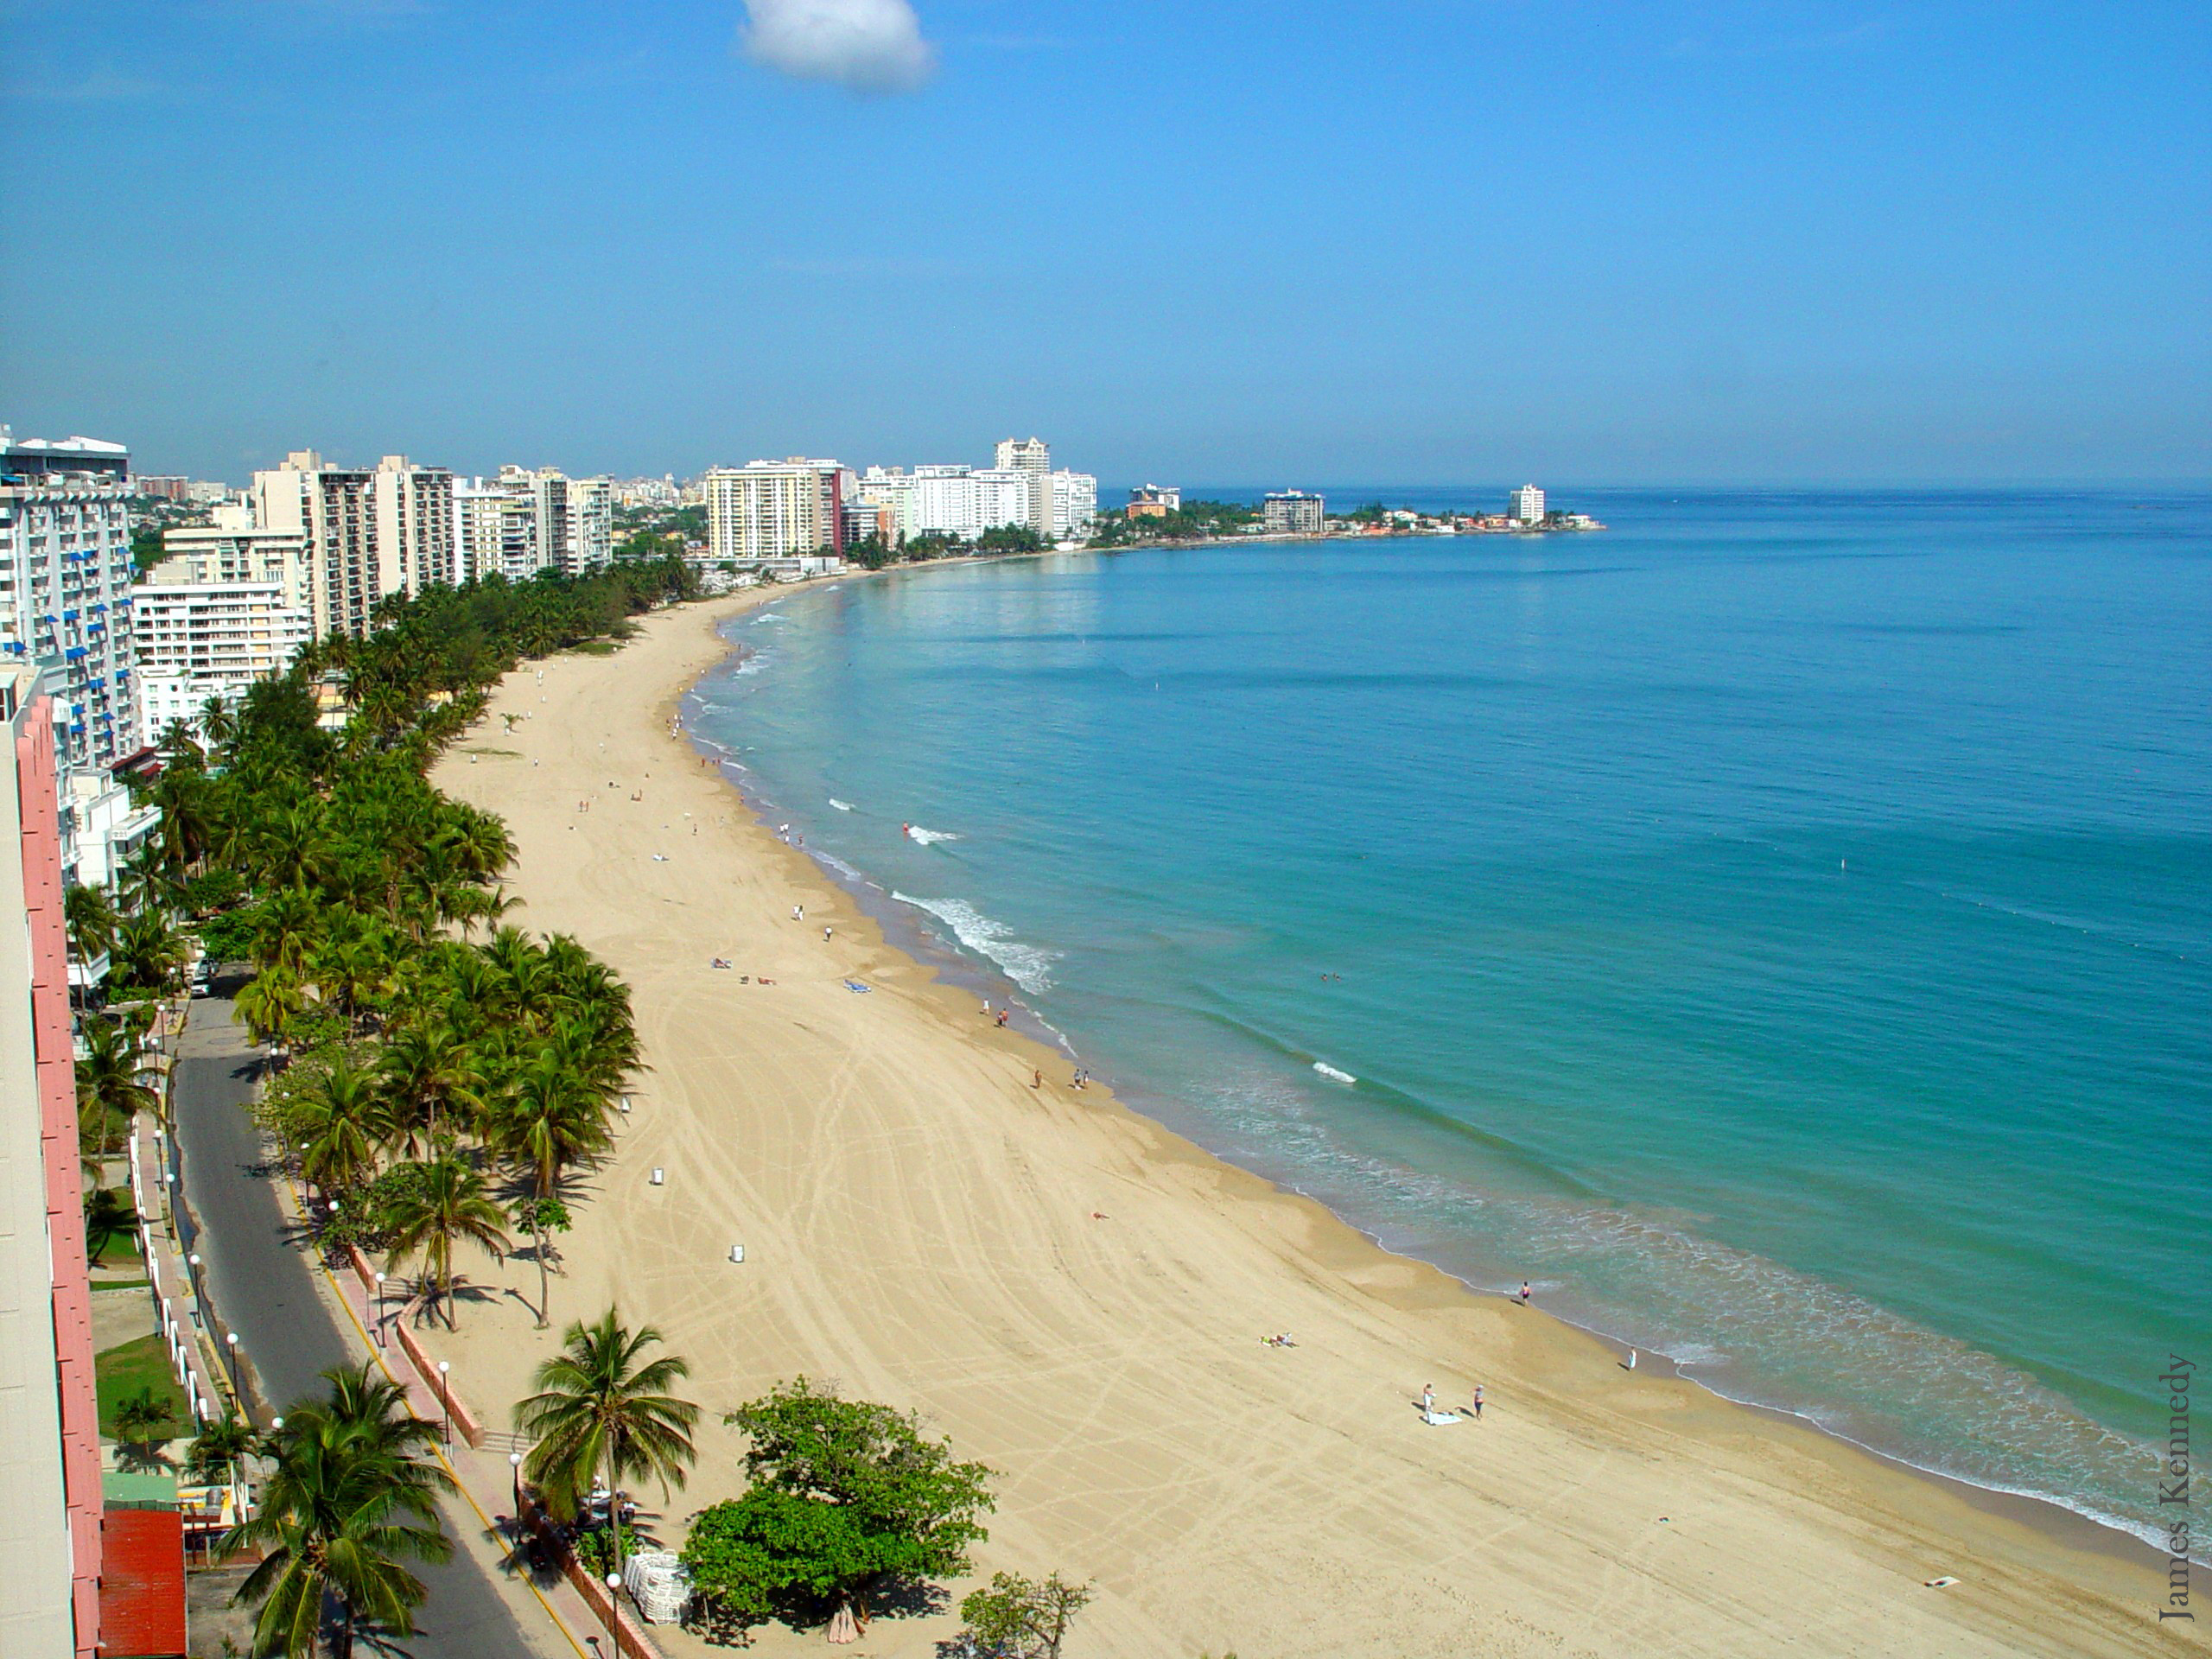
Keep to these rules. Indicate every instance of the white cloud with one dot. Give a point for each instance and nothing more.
(867, 46)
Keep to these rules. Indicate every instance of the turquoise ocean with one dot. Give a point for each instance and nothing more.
(1779, 925)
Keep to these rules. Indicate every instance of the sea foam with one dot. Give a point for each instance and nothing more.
(1026, 965)
(929, 837)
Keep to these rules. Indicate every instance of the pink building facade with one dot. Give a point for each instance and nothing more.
(49, 1414)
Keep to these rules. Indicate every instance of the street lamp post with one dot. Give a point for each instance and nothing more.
(445, 1399)
(614, 1589)
(193, 1263)
(231, 1349)
(514, 1462)
(381, 1343)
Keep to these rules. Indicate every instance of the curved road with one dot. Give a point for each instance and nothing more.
(261, 1284)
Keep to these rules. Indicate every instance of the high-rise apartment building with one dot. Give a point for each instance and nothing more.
(76, 457)
(65, 593)
(1075, 506)
(414, 526)
(1293, 512)
(775, 510)
(333, 510)
(1526, 506)
(367, 533)
(590, 542)
(196, 640)
(49, 1411)
(1031, 458)
(232, 549)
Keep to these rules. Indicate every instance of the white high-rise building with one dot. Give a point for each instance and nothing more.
(1527, 506)
(65, 594)
(1293, 512)
(477, 509)
(776, 510)
(1075, 506)
(332, 509)
(414, 526)
(231, 549)
(1033, 458)
(200, 639)
(590, 544)
(958, 501)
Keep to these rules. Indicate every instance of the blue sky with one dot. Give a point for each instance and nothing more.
(1430, 241)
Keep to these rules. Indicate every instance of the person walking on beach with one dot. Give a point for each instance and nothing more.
(1478, 1402)
(1428, 1400)
(1036, 1078)
(1524, 1293)
(1001, 1019)
(798, 912)
(826, 933)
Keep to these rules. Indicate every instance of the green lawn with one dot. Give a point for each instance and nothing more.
(128, 1366)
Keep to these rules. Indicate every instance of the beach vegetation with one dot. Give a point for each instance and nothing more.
(1017, 1618)
(849, 1498)
(447, 1203)
(129, 1371)
(351, 1501)
(602, 1413)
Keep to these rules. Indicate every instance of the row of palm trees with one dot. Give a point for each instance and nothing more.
(351, 1492)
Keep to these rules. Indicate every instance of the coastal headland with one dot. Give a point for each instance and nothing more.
(1081, 1298)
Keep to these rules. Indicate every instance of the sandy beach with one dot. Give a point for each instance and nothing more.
(1079, 1298)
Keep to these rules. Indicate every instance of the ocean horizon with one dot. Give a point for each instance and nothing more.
(1777, 926)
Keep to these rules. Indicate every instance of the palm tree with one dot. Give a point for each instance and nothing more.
(551, 1120)
(344, 1120)
(91, 918)
(147, 882)
(449, 1203)
(142, 1422)
(351, 1500)
(218, 723)
(426, 1069)
(270, 1004)
(107, 1219)
(150, 952)
(599, 1411)
(108, 1086)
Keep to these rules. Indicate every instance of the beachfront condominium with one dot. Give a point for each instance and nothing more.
(776, 510)
(195, 640)
(528, 519)
(960, 502)
(65, 589)
(414, 525)
(1293, 512)
(367, 533)
(1526, 506)
(49, 1412)
(1154, 501)
(231, 547)
(1032, 458)
(1075, 506)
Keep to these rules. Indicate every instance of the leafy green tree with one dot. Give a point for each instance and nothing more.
(352, 1499)
(449, 1204)
(602, 1410)
(848, 1496)
(1015, 1618)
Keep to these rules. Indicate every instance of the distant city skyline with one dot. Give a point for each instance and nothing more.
(1677, 243)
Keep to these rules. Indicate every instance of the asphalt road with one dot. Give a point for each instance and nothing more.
(262, 1285)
